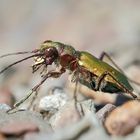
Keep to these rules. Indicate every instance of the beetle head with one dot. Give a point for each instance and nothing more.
(53, 51)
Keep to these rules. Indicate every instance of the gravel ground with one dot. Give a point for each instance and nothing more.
(94, 26)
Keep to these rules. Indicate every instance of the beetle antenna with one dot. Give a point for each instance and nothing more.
(9, 66)
(17, 53)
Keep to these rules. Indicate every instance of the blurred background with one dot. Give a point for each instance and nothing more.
(92, 25)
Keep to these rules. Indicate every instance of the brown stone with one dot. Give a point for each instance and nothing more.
(124, 119)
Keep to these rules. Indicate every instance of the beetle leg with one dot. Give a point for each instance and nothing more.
(76, 80)
(44, 71)
(45, 77)
(75, 93)
(53, 74)
(101, 78)
(99, 81)
(34, 89)
(104, 54)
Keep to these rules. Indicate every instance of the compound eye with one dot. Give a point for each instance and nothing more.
(51, 52)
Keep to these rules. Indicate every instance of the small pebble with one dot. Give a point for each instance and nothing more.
(4, 107)
(69, 114)
(65, 116)
(53, 102)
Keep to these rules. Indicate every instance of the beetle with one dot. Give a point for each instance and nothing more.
(85, 68)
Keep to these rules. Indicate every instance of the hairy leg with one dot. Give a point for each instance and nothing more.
(34, 89)
(104, 54)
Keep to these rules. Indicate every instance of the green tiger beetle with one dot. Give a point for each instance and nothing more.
(85, 68)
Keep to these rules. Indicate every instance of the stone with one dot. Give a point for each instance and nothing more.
(76, 131)
(4, 107)
(25, 116)
(70, 114)
(124, 119)
(18, 128)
